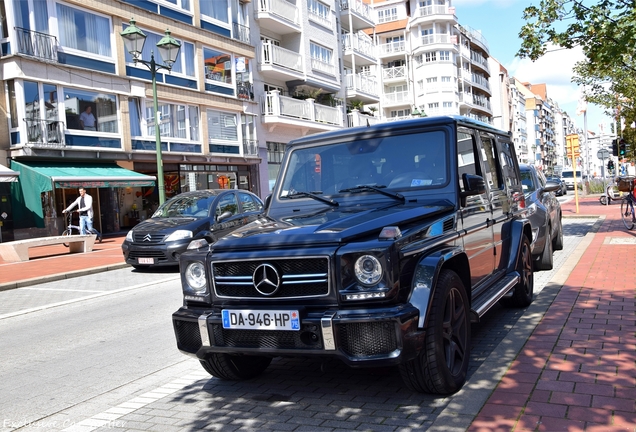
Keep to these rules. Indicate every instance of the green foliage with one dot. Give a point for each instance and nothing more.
(606, 32)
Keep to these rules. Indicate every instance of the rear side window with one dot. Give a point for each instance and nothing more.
(248, 203)
(508, 163)
(466, 156)
(227, 203)
(489, 156)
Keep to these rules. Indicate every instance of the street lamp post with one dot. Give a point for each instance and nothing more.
(168, 47)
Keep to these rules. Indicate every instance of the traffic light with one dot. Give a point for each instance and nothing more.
(621, 148)
(610, 165)
(615, 147)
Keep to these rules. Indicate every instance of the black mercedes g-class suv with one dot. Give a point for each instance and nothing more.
(379, 246)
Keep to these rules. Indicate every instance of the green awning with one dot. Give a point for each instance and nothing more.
(84, 175)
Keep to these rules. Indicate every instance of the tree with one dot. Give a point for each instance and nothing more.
(605, 31)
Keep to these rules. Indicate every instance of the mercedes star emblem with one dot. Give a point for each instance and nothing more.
(266, 279)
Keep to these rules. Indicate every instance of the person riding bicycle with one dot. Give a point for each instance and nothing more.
(85, 209)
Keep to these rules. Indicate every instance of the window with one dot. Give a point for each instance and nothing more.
(385, 15)
(83, 31)
(90, 111)
(431, 80)
(222, 126)
(218, 66)
(275, 152)
(248, 203)
(227, 203)
(215, 9)
(447, 104)
(175, 121)
(489, 156)
(37, 20)
(444, 55)
(430, 56)
(433, 106)
(320, 9)
(183, 4)
(446, 79)
(321, 53)
(185, 60)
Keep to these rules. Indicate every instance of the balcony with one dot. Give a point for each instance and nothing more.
(392, 49)
(433, 12)
(250, 147)
(45, 133)
(278, 16)
(361, 46)
(36, 44)
(356, 15)
(280, 63)
(355, 118)
(241, 32)
(397, 98)
(363, 88)
(394, 74)
(284, 111)
(433, 39)
(318, 65)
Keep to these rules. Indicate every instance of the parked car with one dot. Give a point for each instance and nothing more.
(379, 246)
(568, 178)
(544, 213)
(204, 214)
(564, 188)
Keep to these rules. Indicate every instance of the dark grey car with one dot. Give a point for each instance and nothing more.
(204, 214)
(544, 213)
(561, 182)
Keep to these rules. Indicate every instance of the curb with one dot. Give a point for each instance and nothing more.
(61, 276)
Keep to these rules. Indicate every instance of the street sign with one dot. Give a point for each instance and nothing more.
(602, 154)
(572, 147)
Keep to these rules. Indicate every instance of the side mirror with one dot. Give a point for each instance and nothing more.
(474, 185)
(551, 186)
(267, 202)
(223, 216)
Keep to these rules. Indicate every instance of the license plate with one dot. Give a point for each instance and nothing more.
(261, 319)
(146, 260)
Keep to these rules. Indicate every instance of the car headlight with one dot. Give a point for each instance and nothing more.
(195, 278)
(368, 270)
(179, 235)
(129, 236)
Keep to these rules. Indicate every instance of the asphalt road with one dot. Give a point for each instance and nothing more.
(100, 350)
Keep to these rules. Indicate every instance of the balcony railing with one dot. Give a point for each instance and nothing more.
(435, 39)
(363, 83)
(45, 132)
(431, 10)
(394, 72)
(281, 8)
(273, 104)
(277, 56)
(245, 90)
(359, 43)
(356, 118)
(241, 32)
(396, 97)
(357, 6)
(392, 48)
(250, 147)
(322, 66)
(36, 44)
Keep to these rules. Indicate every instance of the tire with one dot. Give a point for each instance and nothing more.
(557, 241)
(523, 292)
(235, 368)
(603, 199)
(627, 214)
(66, 233)
(545, 261)
(441, 367)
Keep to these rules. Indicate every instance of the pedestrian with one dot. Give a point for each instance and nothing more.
(84, 205)
(88, 120)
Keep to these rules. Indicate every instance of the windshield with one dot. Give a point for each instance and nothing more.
(392, 162)
(570, 174)
(185, 206)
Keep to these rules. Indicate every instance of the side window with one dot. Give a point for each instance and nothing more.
(489, 157)
(227, 203)
(248, 203)
(507, 159)
(542, 179)
(466, 156)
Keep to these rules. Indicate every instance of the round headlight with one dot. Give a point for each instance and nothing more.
(368, 270)
(195, 277)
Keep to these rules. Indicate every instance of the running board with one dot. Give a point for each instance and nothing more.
(492, 295)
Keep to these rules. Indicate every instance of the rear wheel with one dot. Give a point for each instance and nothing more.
(545, 260)
(442, 365)
(627, 214)
(523, 292)
(234, 367)
(66, 233)
(557, 241)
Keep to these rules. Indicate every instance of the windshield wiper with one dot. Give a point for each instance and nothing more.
(378, 188)
(312, 195)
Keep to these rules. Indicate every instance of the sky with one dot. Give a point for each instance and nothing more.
(500, 22)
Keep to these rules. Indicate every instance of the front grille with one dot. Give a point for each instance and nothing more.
(367, 338)
(272, 339)
(147, 238)
(146, 254)
(299, 278)
(188, 335)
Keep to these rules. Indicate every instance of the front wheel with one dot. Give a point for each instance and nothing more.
(557, 242)
(234, 367)
(627, 214)
(66, 233)
(545, 261)
(442, 365)
(603, 200)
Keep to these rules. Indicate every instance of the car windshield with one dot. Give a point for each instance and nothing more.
(527, 182)
(185, 206)
(391, 162)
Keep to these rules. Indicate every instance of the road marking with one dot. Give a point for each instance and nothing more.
(110, 417)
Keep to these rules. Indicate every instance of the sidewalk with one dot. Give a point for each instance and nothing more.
(54, 262)
(577, 371)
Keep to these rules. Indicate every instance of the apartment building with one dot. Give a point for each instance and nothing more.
(64, 61)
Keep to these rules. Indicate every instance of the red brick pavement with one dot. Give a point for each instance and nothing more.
(577, 371)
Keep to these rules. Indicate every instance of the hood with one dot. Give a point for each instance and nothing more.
(334, 225)
(169, 225)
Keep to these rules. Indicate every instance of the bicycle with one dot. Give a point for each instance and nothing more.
(69, 231)
(628, 215)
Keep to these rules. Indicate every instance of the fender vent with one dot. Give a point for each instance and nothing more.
(449, 224)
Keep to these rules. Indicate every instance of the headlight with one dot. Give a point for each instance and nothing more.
(368, 270)
(195, 277)
(179, 235)
(129, 236)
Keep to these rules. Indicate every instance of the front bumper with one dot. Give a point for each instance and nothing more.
(164, 254)
(362, 338)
